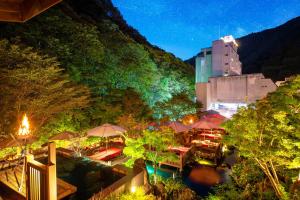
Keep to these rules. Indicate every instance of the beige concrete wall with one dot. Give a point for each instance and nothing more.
(228, 89)
(258, 87)
(201, 94)
(238, 89)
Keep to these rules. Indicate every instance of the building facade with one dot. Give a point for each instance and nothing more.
(220, 85)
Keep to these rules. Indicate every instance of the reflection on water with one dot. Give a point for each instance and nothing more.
(200, 179)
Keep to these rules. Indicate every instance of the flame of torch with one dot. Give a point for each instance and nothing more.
(24, 127)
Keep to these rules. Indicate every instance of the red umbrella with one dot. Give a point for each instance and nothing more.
(215, 115)
(177, 127)
(214, 118)
(203, 124)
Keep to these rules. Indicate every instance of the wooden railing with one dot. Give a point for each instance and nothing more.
(36, 180)
(41, 179)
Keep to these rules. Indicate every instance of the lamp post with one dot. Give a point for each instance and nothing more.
(23, 134)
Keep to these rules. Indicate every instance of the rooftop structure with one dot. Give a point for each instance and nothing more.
(220, 85)
(23, 10)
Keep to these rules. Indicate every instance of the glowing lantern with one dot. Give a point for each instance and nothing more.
(24, 130)
(191, 121)
(133, 189)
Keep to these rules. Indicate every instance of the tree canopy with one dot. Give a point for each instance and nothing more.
(152, 146)
(268, 132)
(34, 84)
(109, 62)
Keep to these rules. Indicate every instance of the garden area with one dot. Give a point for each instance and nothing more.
(107, 100)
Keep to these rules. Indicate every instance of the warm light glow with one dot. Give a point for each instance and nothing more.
(191, 121)
(24, 127)
(224, 148)
(133, 189)
(228, 39)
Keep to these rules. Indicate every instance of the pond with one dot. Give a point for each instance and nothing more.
(89, 177)
(199, 178)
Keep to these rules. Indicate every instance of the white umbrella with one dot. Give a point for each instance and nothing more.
(106, 130)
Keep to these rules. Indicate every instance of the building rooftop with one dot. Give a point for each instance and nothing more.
(23, 10)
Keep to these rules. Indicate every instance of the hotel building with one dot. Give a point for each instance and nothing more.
(220, 84)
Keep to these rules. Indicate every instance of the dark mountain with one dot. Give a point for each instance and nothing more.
(97, 10)
(274, 52)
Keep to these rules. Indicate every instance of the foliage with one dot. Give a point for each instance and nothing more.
(177, 107)
(125, 77)
(108, 61)
(116, 103)
(268, 132)
(139, 194)
(34, 84)
(226, 192)
(8, 151)
(250, 181)
(73, 121)
(170, 189)
(152, 146)
(171, 186)
(90, 141)
(134, 128)
(134, 149)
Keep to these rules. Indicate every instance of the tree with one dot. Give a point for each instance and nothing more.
(102, 57)
(176, 107)
(152, 146)
(138, 194)
(34, 84)
(268, 132)
(109, 107)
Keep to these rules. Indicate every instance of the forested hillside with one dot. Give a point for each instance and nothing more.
(274, 52)
(96, 48)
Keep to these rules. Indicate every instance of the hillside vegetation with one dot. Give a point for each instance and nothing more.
(96, 48)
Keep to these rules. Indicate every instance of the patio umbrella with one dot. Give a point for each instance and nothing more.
(66, 135)
(106, 130)
(178, 127)
(203, 124)
(215, 115)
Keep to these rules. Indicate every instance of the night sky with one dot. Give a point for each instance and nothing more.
(183, 27)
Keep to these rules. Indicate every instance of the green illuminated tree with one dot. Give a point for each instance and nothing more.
(176, 107)
(268, 132)
(152, 146)
(34, 84)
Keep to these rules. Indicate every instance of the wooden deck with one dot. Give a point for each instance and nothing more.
(12, 178)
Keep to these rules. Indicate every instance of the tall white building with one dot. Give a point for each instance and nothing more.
(225, 59)
(220, 84)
